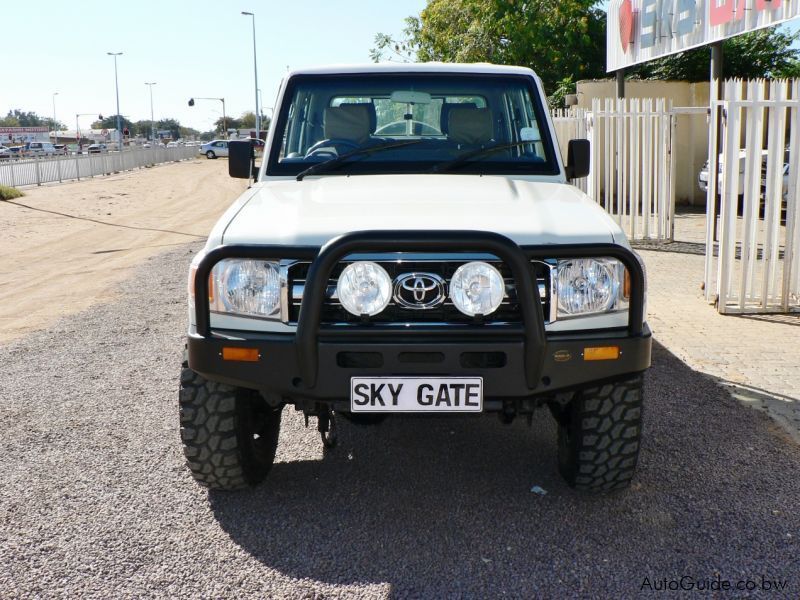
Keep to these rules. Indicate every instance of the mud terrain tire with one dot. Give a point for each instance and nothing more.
(599, 434)
(229, 434)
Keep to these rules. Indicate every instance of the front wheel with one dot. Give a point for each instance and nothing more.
(210, 154)
(229, 434)
(599, 434)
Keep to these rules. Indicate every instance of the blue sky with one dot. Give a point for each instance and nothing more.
(190, 48)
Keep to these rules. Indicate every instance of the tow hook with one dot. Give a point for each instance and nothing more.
(326, 424)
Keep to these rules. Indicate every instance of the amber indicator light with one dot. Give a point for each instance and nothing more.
(626, 285)
(601, 353)
(240, 354)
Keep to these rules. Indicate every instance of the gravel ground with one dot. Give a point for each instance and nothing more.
(95, 500)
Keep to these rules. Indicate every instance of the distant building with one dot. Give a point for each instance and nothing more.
(23, 135)
(95, 136)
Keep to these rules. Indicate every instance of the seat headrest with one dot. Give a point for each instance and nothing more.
(471, 126)
(444, 115)
(348, 122)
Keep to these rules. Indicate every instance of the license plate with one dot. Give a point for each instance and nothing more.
(416, 394)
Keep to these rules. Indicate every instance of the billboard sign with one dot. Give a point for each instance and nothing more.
(641, 30)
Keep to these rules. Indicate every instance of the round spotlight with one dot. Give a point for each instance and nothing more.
(477, 288)
(364, 288)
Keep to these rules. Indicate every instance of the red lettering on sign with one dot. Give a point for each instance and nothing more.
(768, 4)
(724, 12)
(625, 24)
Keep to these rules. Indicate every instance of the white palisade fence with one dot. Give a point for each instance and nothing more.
(571, 124)
(36, 171)
(632, 165)
(758, 223)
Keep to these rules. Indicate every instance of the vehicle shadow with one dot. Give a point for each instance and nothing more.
(436, 506)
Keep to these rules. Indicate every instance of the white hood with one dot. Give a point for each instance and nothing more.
(317, 209)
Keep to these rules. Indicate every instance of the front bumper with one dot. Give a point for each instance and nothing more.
(498, 360)
(515, 360)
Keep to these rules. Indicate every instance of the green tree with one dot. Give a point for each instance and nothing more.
(171, 125)
(141, 127)
(110, 123)
(763, 53)
(20, 118)
(558, 39)
(189, 132)
(248, 120)
(230, 122)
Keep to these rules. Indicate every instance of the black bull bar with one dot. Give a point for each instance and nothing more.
(324, 260)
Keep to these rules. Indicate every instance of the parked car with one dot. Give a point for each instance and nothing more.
(784, 185)
(215, 149)
(97, 149)
(258, 146)
(5, 153)
(61, 149)
(365, 276)
(172, 145)
(39, 149)
(702, 178)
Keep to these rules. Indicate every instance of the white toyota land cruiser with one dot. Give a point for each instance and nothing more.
(411, 244)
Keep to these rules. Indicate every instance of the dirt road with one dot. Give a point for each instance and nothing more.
(95, 500)
(64, 247)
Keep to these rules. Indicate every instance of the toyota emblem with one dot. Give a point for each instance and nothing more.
(419, 291)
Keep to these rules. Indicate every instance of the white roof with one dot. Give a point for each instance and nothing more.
(428, 67)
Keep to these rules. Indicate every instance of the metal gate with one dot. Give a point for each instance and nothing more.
(757, 223)
(633, 168)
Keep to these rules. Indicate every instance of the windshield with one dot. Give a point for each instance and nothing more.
(450, 119)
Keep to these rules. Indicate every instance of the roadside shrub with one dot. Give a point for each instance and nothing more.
(7, 193)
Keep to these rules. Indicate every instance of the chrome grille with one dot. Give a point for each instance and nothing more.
(446, 314)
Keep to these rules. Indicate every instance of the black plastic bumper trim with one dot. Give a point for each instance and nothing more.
(278, 371)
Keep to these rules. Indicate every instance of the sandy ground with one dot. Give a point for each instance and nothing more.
(64, 247)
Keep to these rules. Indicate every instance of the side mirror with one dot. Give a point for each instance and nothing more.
(579, 156)
(241, 159)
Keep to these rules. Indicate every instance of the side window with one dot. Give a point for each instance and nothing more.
(524, 125)
(303, 128)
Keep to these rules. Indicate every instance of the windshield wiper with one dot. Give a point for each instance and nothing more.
(468, 156)
(335, 162)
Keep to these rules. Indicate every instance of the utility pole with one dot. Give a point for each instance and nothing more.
(255, 74)
(152, 119)
(55, 127)
(224, 118)
(116, 85)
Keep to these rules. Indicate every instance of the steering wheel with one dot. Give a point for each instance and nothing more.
(316, 148)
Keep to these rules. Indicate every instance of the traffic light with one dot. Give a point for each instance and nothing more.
(99, 117)
(191, 101)
(125, 132)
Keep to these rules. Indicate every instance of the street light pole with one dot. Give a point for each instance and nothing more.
(116, 84)
(224, 118)
(255, 73)
(55, 127)
(152, 119)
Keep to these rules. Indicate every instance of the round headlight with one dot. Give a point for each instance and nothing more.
(587, 285)
(364, 288)
(247, 287)
(477, 288)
